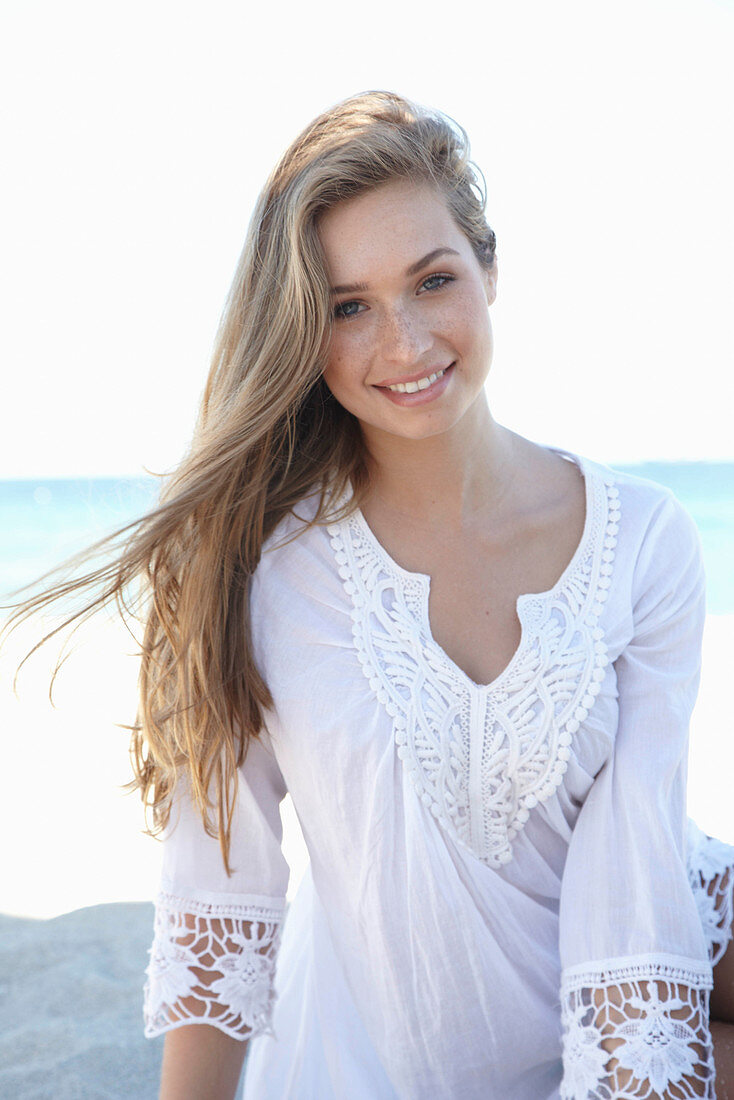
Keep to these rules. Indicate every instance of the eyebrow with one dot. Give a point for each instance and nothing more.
(355, 288)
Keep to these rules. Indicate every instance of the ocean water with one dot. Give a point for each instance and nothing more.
(43, 522)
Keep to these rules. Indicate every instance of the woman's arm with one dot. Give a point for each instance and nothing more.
(636, 968)
(210, 979)
(200, 1062)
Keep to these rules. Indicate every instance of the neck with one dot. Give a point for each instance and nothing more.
(442, 479)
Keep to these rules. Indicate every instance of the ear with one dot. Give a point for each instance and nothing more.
(490, 282)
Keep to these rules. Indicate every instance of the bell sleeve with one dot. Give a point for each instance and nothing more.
(711, 874)
(636, 971)
(216, 937)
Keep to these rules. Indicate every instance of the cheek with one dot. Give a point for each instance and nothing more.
(344, 362)
(472, 314)
(476, 326)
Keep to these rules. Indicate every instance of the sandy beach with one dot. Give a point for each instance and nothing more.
(78, 875)
(78, 879)
(71, 1015)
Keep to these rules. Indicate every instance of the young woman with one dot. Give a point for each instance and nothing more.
(471, 659)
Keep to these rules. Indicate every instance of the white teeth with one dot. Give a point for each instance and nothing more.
(421, 384)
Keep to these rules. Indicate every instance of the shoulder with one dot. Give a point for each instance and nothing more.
(642, 501)
(649, 509)
(299, 615)
(296, 568)
(643, 518)
(659, 549)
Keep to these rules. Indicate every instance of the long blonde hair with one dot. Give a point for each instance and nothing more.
(268, 432)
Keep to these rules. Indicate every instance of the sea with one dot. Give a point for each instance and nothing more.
(45, 521)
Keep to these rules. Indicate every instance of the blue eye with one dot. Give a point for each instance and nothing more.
(437, 281)
(347, 309)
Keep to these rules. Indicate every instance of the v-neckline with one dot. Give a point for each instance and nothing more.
(422, 581)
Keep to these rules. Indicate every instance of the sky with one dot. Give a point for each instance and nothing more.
(137, 136)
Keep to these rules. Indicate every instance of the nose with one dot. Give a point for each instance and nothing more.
(404, 336)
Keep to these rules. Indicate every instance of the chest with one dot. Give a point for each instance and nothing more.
(383, 679)
(475, 582)
(474, 592)
(479, 757)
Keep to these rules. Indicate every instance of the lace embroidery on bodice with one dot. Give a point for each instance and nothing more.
(481, 757)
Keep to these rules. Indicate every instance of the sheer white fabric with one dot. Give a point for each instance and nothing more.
(212, 964)
(503, 898)
(216, 938)
(711, 874)
(481, 760)
(637, 1030)
(640, 917)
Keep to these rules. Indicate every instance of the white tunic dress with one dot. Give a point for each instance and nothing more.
(502, 876)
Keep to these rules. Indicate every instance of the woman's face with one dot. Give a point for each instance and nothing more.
(411, 344)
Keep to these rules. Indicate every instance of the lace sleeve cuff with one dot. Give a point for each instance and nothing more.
(711, 875)
(637, 1029)
(213, 963)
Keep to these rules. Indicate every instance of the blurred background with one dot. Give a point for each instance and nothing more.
(135, 140)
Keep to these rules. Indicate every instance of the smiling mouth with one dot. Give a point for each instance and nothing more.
(420, 384)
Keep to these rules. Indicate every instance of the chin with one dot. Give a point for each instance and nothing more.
(428, 427)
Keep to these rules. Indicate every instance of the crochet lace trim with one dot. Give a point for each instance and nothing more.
(212, 964)
(637, 1029)
(481, 757)
(202, 907)
(711, 874)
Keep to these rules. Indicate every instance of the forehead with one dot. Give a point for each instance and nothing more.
(390, 226)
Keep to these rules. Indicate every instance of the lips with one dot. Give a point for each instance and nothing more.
(412, 383)
(419, 389)
(414, 387)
